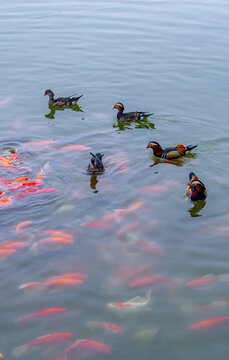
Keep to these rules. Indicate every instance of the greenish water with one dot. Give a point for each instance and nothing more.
(169, 58)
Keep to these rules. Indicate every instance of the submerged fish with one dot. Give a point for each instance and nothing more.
(110, 327)
(58, 234)
(43, 341)
(13, 245)
(87, 348)
(5, 253)
(133, 304)
(148, 281)
(209, 323)
(50, 243)
(22, 225)
(41, 314)
(204, 281)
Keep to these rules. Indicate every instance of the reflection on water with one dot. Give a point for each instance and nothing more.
(51, 114)
(143, 124)
(197, 207)
(93, 182)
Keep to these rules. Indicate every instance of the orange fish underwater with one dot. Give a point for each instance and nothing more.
(50, 243)
(22, 225)
(4, 253)
(86, 347)
(210, 323)
(148, 281)
(43, 341)
(42, 314)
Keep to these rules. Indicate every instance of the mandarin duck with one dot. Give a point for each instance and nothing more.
(196, 190)
(61, 101)
(96, 165)
(131, 116)
(169, 153)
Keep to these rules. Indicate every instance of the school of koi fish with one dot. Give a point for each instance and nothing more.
(143, 281)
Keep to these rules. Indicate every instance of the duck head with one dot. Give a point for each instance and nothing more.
(49, 93)
(196, 189)
(153, 145)
(119, 106)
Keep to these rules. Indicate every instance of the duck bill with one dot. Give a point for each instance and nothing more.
(44, 94)
(147, 147)
(115, 107)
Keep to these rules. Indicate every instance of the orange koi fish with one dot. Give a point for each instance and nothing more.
(22, 225)
(4, 253)
(51, 243)
(101, 224)
(86, 346)
(4, 162)
(210, 323)
(136, 303)
(199, 283)
(13, 245)
(43, 341)
(148, 281)
(35, 192)
(115, 329)
(154, 189)
(42, 314)
(71, 276)
(32, 286)
(5, 201)
(20, 180)
(127, 228)
(61, 283)
(122, 213)
(211, 305)
(58, 234)
(74, 147)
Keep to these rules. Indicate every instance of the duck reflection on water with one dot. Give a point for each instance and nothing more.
(143, 124)
(51, 114)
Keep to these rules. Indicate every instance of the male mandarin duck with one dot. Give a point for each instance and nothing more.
(169, 153)
(131, 116)
(61, 101)
(196, 190)
(96, 165)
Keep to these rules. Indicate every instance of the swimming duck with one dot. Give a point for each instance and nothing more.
(96, 165)
(196, 190)
(169, 153)
(131, 116)
(61, 101)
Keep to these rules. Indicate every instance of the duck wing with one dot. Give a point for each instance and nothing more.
(134, 116)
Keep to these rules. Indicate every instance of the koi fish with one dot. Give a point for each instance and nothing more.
(35, 192)
(133, 304)
(115, 216)
(74, 147)
(61, 283)
(13, 245)
(148, 281)
(119, 163)
(43, 341)
(86, 347)
(5, 253)
(51, 243)
(210, 323)
(42, 314)
(58, 234)
(211, 305)
(127, 228)
(4, 162)
(71, 276)
(198, 283)
(22, 225)
(110, 327)
(101, 224)
(5, 201)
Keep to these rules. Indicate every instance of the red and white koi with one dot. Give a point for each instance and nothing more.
(136, 303)
(41, 314)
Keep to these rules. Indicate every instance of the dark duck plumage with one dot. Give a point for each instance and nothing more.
(61, 101)
(169, 153)
(131, 116)
(196, 190)
(96, 165)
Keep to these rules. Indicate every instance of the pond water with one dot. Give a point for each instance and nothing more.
(128, 234)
